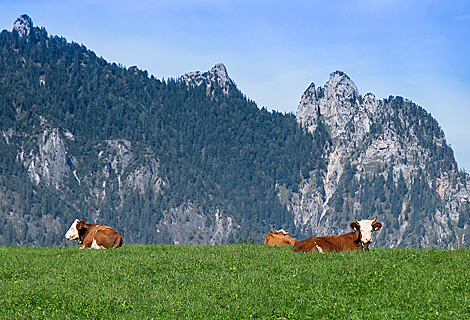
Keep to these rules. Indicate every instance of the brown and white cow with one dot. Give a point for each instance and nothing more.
(359, 239)
(96, 236)
(279, 238)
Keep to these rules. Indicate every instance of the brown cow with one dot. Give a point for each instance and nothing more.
(279, 238)
(359, 239)
(94, 236)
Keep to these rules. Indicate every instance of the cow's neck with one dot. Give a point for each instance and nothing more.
(82, 232)
(357, 240)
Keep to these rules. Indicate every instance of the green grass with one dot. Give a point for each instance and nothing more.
(237, 282)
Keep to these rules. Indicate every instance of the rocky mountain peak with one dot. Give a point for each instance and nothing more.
(340, 84)
(23, 25)
(218, 75)
(336, 101)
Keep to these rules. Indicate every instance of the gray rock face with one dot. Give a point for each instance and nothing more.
(217, 75)
(189, 226)
(23, 25)
(336, 102)
(349, 118)
(50, 161)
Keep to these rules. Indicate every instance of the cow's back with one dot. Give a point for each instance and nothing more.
(108, 239)
(101, 237)
(315, 244)
(311, 244)
(267, 239)
(349, 241)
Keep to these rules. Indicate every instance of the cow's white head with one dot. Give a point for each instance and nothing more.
(365, 228)
(73, 233)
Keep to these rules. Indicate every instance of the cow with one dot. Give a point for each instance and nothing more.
(96, 236)
(279, 238)
(359, 239)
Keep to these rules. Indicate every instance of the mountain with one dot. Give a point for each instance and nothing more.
(387, 158)
(192, 160)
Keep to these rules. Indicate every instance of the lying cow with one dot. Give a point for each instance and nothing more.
(279, 238)
(96, 236)
(360, 239)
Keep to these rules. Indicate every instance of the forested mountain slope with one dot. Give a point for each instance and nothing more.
(192, 160)
(162, 161)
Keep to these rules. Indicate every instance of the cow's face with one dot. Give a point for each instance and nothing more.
(365, 228)
(72, 233)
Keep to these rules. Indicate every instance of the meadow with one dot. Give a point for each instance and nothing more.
(232, 282)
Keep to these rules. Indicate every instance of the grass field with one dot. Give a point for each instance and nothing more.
(236, 282)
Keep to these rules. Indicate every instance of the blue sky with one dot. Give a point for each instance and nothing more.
(273, 50)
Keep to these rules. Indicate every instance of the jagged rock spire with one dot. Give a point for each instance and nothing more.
(308, 111)
(217, 75)
(336, 101)
(340, 84)
(23, 25)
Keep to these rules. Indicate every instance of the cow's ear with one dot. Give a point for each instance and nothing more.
(81, 224)
(376, 226)
(354, 226)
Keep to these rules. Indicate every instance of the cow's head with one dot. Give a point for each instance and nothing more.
(279, 238)
(74, 231)
(365, 229)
